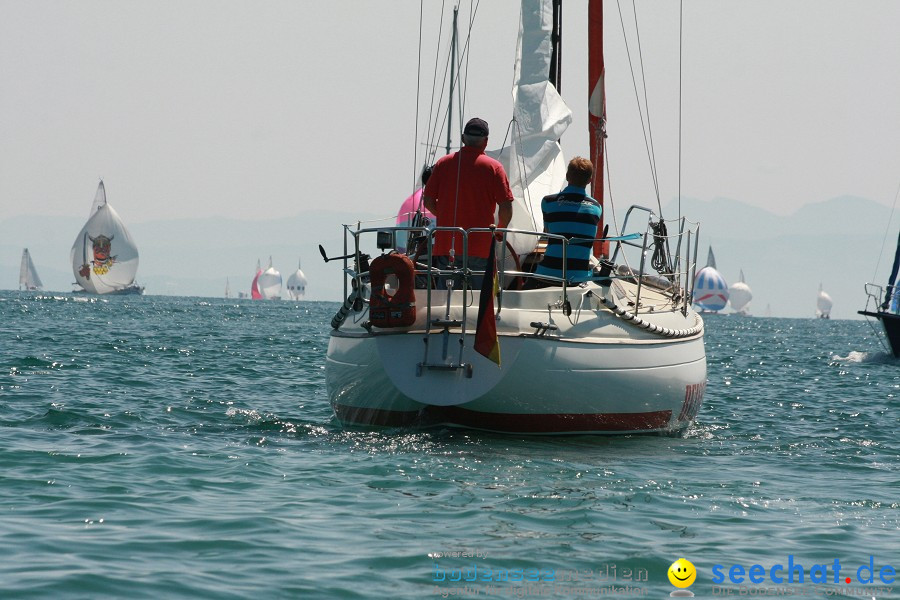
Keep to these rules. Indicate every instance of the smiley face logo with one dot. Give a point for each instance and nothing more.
(682, 573)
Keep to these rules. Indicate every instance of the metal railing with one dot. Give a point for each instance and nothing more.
(680, 269)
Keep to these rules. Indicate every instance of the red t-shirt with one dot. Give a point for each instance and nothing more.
(482, 186)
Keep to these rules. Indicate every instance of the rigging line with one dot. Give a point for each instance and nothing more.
(604, 151)
(513, 133)
(428, 139)
(680, 57)
(634, 83)
(440, 121)
(462, 82)
(418, 94)
(437, 125)
(655, 173)
(465, 54)
(887, 230)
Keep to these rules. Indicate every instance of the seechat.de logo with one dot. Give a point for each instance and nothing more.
(795, 572)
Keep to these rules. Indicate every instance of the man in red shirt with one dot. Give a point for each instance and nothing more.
(464, 190)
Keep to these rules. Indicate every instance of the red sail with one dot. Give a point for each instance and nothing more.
(597, 109)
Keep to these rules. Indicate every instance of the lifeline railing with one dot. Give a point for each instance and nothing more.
(679, 272)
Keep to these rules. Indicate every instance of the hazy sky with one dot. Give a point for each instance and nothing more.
(262, 109)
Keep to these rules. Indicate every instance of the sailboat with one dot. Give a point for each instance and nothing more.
(739, 296)
(254, 287)
(823, 304)
(883, 304)
(710, 288)
(621, 353)
(28, 277)
(269, 283)
(227, 288)
(104, 256)
(296, 284)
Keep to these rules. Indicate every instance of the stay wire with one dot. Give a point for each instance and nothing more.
(418, 98)
(652, 150)
(430, 145)
(680, 58)
(637, 95)
(887, 230)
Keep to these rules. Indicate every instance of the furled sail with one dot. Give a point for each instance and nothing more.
(269, 283)
(534, 161)
(104, 256)
(740, 295)
(28, 277)
(710, 288)
(296, 284)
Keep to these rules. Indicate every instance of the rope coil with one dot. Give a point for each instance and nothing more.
(630, 317)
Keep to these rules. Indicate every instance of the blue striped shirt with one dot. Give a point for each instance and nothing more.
(575, 215)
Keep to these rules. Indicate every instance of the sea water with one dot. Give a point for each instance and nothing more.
(157, 447)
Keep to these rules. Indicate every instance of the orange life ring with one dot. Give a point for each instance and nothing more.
(397, 309)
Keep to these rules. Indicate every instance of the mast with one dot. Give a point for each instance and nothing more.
(452, 78)
(556, 43)
(597, 110)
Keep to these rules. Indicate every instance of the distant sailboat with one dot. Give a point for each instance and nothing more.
(296, 284)
(254, 287)
(28, 277)
(227, 288)
(104, 256)
(710, 289)
(269, 283)
(823, 304)
(739, 295)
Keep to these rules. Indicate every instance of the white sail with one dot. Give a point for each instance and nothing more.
(99, 199)
(269, 283)
(534, 161)
(740, 295)
(104, 256)
(823, 304)
(28, 277)
(296, 284)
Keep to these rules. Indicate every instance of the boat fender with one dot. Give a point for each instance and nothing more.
(399, 308)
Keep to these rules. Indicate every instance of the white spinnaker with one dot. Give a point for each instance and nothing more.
(534, 161)
(100, 277)
(296, 285)
(99, 199)
(269, 283)
(823, 302)
(28, 277)
(739, 294)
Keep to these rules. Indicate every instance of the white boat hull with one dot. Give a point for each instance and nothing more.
(597, 373)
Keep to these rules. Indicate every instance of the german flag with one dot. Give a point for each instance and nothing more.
(486, 341)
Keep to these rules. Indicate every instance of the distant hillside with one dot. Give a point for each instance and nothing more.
(835, 242)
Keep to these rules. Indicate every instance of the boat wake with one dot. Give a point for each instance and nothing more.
(866, 358)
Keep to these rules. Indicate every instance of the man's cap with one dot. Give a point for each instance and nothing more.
(476, 127)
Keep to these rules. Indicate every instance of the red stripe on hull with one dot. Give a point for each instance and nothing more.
(505, 422)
